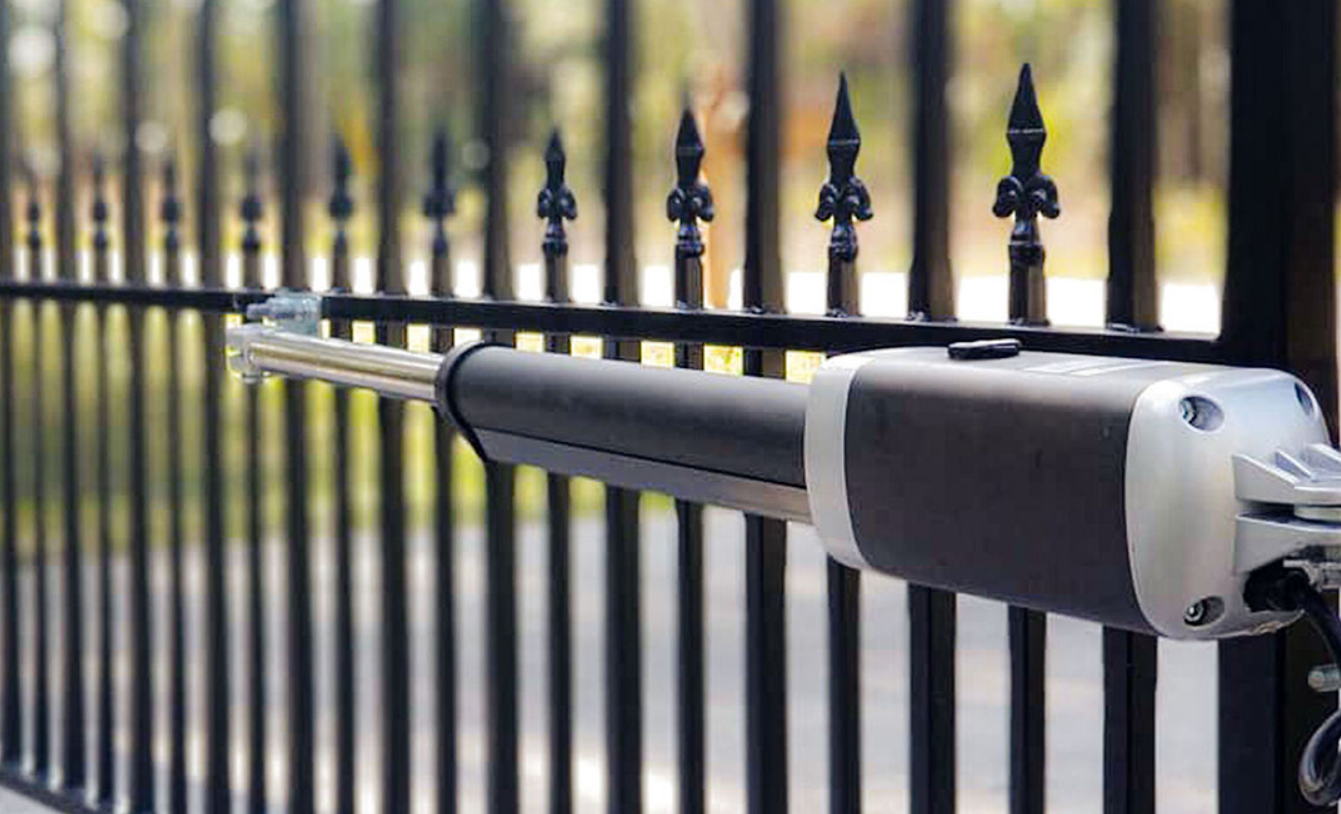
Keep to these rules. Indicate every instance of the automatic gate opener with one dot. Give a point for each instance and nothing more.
(1188, 500)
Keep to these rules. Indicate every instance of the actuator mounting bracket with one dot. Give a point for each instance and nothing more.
(1294, 510)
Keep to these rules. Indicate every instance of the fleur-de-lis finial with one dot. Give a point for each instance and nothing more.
(170, 210)
(440, 200)
(556, 202)
(34, 214)
(100, 211)
(341, 204)
(1026, 193)
(252, 208)
(843, 197)
(691, 200)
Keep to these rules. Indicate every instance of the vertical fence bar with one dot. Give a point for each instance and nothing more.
(292, 178)
(252, 209)
(1130, 664)
(11, 709)
(931, 613)
(141, 680)
(843, 199)
(1279, 310)
(132, 207)
(11, 727)
(169, 214)
(555, 204)
(391, 428)
(292, 124)
(1028, 634)
(141, 791)
(439, 203)
(499, 479)
(72, 704)
(931, 693)
(689, 202)
(41, 758)
(1025, 194)
(341, 208)
(11, 716)
(623, 646)
(1132, 290)
(218, 786)
(930, 282)
(102, 427)
(765, 539)
(209, 258)
(1131, 659)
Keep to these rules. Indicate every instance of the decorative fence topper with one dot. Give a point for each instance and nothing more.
(1026, 193)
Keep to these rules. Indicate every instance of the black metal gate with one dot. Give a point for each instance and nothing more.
(1278, 310)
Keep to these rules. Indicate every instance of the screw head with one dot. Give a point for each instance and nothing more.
(1203, 611)
(1195, 613)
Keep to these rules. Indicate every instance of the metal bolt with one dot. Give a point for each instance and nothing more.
(1195, 614)
(1204, 611)
(1325, 678)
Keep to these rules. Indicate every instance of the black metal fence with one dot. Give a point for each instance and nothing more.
(1278, 309)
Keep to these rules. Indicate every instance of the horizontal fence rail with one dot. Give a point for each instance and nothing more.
(123, 441)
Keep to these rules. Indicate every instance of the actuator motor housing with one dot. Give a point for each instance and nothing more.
(1098, 487)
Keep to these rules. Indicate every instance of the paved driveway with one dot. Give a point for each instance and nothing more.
(1187, 698)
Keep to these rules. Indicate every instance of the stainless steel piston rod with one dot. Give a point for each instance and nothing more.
(710, 438)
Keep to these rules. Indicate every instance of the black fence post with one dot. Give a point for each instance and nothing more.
(73, 749)
(340, 207)
(1026, 193)
(169, 214)
(931, 297)
(218, 784)
(843, 199)
(11, 717)
(555, 204)
(251, 209)
(931, 294)
(208, 212)
(439, 204)
(132, 202)
(41, 748)
(1133, 296)
(765, 538)
(495, 89)
(1279, 310)
(391, 426)
(102, 404)
(292, 179)
(623, 601)
(1131, 660)
(688, 203)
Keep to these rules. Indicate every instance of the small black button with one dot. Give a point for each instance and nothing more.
(985, 349)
